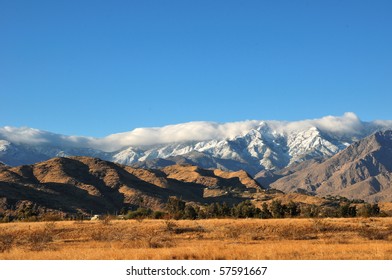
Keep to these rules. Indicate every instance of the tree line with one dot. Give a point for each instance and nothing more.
(176, 208)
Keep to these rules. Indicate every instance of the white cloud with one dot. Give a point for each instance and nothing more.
(348, 124)
(26, 135)
(192, 131)
(383, 124)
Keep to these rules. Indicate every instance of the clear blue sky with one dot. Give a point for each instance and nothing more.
(99, 67)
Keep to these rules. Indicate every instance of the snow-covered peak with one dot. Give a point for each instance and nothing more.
(311, 143)
(249, 145)
(346, 126)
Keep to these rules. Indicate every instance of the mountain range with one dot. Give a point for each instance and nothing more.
(253, 146)
(317, 157)
(361, 171)
(83, 185)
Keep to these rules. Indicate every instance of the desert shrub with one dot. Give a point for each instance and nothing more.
(170, 226)
(51, 217)
(39, 240)
(374, 233)
(282, 231)
(100, 234)
(296, 234)
(157, 240)
(106, 220)
(320, 225)
(288, 232)
(6, 241)
(180, 230)
(78, 222)
(106, 233)
(258, 234)
(300, 234)
(230, 232)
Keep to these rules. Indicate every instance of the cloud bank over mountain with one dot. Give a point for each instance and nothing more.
(348, 124)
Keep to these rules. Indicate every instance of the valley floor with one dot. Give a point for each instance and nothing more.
(216, 239)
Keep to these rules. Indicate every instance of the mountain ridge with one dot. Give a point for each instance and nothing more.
(83, 184)
(254, 146)
(362, 171)
(79, 184)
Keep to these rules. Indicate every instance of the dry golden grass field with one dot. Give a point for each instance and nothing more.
(217, 239)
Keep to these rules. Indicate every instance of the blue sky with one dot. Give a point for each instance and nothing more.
(99, 67)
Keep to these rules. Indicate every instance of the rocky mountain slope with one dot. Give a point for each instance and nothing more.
(84, 185)
(362, 171)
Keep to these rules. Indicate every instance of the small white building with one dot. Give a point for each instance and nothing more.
(95, 217)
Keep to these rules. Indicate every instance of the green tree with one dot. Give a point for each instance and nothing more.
(369, 210)
(212, 210)
(310, 211)
(346, 210)
(175, 207)
(139, 213)
(223, 210)
(265, 212)
(277, 209)
(190, 212)
(292, 209)
(245, 209)
(375, 210)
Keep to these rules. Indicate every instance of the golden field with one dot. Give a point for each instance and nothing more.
(215, 239)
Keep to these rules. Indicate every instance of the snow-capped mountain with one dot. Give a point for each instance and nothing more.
(250, 145)
(362, 171)
(259, 149)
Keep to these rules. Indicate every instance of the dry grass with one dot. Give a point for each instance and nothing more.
(356, 238)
